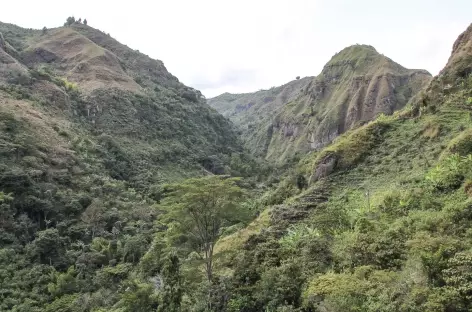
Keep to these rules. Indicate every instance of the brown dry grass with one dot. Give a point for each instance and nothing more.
(431, 131)
(39, 125)
(84, 62)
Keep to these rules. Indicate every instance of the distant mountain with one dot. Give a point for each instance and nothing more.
(355, 86)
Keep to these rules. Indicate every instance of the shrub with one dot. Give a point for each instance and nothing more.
(70, 20)
(462, 144)
(449, 174)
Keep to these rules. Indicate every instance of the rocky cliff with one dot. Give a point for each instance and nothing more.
(355, 86)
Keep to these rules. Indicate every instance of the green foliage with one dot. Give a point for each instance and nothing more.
(139, 297)
(450, 173)
(201, 208)
(89, 221)
(462, 144)
(458, 274)
(171, 295)
(67, 303)
(70, 20)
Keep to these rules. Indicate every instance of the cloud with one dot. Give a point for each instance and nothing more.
(227, 78)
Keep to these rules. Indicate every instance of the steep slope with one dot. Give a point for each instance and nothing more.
(247, 109)
(355, 86)
(253, 111)
(384, 224)
(89, 131)
(87, 76)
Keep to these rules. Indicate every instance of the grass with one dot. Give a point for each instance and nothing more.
(336, 101)
(237, 239)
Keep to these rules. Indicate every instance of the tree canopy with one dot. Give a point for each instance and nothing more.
(200, 208)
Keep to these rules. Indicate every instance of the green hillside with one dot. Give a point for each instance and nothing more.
(355, 86)
(90, 131)
(384, 221)
(121, 190)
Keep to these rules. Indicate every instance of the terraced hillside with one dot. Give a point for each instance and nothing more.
(383, 221)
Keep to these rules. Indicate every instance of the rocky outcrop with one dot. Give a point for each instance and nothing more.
(324, 168)
(356, 86)
(460, 61)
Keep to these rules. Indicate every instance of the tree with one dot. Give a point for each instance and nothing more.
(93, 217)
(80, 20)
(70, 20)
(171, 293)
(85, 21)
(48, 247)
(202, 207)
(6, 212)
(298, 77)
(301, 182)
(458, 275)
(45, 30)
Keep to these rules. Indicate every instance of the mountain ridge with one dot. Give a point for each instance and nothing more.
(355, 85)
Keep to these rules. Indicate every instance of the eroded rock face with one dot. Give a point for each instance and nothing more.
(324, 168)
(317, 143)
(460, 61)
(356, 86)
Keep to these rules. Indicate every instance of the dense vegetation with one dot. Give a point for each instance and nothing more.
(138, 196)
(84, 162)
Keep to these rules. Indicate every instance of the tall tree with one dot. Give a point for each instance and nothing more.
(171, 292)
(201, 208)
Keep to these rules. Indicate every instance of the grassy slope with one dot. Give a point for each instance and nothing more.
(355, 86)
(253, 112)
(121, 93)
(385, 228)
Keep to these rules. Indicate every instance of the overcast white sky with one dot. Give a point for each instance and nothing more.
(221, 46)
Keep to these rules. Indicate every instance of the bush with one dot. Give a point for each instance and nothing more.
(70, 20)
(462, 144)
(450, 173)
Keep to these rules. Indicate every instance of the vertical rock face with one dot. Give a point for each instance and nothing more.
(355, 86)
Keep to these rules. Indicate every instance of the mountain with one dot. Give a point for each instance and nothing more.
(252, 112)
(90, 131)
(88, 86)
(354, 87)
(377, 220)
(248, 109)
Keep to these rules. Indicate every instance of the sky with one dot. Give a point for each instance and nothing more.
(219, 46)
